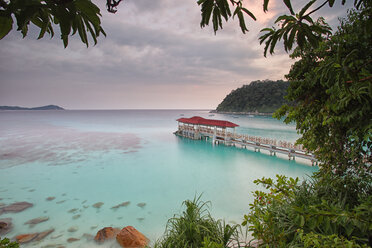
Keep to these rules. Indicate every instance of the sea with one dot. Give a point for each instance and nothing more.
(84, 170)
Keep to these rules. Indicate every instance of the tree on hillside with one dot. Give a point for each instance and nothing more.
(262, 96)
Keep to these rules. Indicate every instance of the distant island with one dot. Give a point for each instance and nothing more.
(258, 97)
(47, 107)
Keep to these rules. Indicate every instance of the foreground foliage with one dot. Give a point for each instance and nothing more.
(331, 87)
(5, 243)
(196, 228)
(72, 16)
(296, 27)
(312, 214)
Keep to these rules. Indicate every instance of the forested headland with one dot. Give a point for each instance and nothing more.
(258, 96)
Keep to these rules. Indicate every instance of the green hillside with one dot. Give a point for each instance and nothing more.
(262, 96)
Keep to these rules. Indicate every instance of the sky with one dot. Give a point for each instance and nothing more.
(155, 56)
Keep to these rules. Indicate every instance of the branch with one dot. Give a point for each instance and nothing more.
(112, 5)
(321, 6)
(3, 4)
(361, 80)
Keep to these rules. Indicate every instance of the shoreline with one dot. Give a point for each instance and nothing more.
(241, 113)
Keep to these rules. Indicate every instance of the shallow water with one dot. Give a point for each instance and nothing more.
(110, 157)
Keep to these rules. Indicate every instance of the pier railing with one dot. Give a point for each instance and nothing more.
(244, 138)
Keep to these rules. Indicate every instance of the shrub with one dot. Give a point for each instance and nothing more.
(196, 228)
(321, 212)
(5, 243)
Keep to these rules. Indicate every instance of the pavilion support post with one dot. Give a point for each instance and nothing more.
(214, 134)
(225, 136)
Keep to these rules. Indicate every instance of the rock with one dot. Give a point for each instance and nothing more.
(53, 246)
(25, 238)
(16, 207)
(73, 210)
(88, 237)
(50, 198)
(5, 226)
(130, 237)
(123, 204)
(106, 233)
(98, 204)
(42, 235)
(141, 204)
(35, 221)
(72, 229)
(70, 240)
(56, 236)
(76, 216)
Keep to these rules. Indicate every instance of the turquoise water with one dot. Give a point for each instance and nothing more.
(86, 157)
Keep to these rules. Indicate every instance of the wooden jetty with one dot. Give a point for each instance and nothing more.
(218, 131)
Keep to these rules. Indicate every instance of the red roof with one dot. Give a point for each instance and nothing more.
(197, 120)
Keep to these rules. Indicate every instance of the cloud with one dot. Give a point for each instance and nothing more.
(155, 55)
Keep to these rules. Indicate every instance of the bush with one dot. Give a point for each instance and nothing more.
(322, 212)
(196, 228)
(5, 243)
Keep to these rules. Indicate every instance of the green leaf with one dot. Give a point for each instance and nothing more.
(300, 38)
(302, 221)
(265, 5)
(81, 31)
(6, 24)
(307, 6)
(215, 20)
(291, 38)
(206, 9)
(285, 18)
(200, 1)
(249, 13)
(242, 22)
(289, 6)
(91, 31)
(237, 10)
(89, 10)
(224, 8)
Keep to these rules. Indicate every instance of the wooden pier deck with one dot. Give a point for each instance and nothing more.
(244, 141)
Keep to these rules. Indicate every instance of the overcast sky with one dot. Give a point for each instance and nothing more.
(155, 55)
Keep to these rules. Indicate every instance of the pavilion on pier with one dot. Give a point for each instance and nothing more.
(223, 132)
(198, 127)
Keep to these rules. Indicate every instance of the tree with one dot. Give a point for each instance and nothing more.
(294, 28)
(72, 16)
(332, 88)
